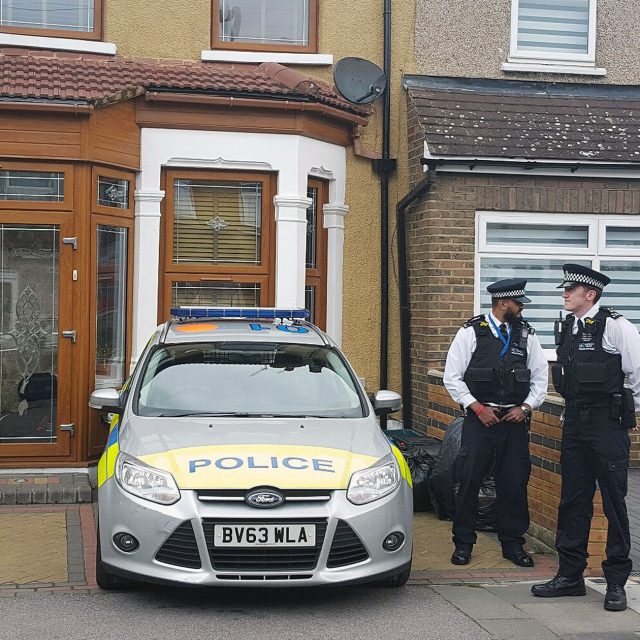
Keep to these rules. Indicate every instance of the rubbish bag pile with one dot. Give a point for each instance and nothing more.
(433, 470)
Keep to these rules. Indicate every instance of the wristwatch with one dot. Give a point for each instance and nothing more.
(525, 409)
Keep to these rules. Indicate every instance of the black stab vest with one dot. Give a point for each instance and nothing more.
(494, 379)
(586, 375)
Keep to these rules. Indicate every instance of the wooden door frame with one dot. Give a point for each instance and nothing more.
(318, 277)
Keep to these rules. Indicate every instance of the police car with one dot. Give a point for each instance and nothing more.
(243, 452)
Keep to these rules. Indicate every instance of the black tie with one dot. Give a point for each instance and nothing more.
(580, 326)
(503, 330)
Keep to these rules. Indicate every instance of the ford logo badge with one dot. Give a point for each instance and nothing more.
(264, 498)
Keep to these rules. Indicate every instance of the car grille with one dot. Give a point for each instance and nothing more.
(181, 548)
(263, 559)
(238, 495)
(346, 548)
(263, 578)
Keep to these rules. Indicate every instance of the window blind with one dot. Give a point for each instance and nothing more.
(217, 222)
(537, 234)
(265, 21)
(215, 294)
(560, 27)
(69, 15)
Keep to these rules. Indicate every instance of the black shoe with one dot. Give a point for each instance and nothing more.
(461, 555)
(616, 598)
(518, 556)
(560, 586)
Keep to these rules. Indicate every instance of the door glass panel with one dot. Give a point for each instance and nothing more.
(29, 266)
(111, 301)
(217, 222)
(215, 294)
(310, 302)
(37, 186)
(312, 228)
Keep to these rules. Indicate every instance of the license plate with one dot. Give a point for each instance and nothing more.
(264, 535)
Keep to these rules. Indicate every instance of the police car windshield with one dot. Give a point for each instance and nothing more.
(247, 379)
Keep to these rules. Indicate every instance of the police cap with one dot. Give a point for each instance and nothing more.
(579, 274)
(511, 289)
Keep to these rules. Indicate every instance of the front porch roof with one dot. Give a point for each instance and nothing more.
(501, 120)
(48, 77)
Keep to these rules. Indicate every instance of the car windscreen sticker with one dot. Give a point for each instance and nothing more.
(250, 465)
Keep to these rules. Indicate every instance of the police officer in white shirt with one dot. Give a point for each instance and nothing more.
(597, 347)
(497, 371)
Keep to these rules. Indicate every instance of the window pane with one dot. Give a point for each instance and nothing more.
(113, 192)
(70, 15)
(312, 228)
(111, 301)
(29, 267)
(561, 27)
(622, 237)
(543, 276)
(284, 22)
(217, 222)
(40, 186)
(536, 235)
(310, 302)
(622, 292)
(215, 294)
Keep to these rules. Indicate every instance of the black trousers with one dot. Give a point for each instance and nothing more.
(506, 444)
(594, 447)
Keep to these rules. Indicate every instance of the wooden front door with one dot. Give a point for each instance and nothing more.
(37, 335)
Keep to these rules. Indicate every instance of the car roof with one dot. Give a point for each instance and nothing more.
(242, 330)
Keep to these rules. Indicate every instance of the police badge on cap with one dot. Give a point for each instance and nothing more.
(578, 274)
(510, 289)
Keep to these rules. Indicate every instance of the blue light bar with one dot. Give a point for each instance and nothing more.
(253, 313)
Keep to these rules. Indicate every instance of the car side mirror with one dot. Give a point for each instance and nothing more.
(106, 399)
(386, 402)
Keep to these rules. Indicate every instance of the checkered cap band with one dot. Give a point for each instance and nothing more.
(516, 293)
(581, 278)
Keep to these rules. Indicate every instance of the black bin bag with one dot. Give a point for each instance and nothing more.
(420, 452)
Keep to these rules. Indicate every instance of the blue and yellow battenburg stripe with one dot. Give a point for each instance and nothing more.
(405, 472)
(107, 463)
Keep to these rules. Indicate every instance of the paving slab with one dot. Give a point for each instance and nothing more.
(518, 629)
(479, 603)
(520, 593)
(573, 615)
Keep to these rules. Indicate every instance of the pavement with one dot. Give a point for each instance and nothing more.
(50, 547)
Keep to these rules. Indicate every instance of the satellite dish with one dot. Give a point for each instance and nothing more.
(358, 80)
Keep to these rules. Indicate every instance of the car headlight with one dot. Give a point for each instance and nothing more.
(143, 481)
(375, 482)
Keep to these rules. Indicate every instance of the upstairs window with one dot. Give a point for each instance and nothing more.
(563, 32)
(58, 18)
(265, 25)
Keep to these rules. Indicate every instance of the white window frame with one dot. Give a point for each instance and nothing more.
(547, 58)
(596, 251)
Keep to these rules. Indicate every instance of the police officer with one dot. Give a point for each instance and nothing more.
(497, 371)
(596, 348)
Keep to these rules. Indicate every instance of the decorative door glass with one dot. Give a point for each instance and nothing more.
(111, 301)
(29, 290)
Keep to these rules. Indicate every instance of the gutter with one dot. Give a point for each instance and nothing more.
(471, 164)
(252, 103)
(418, 190)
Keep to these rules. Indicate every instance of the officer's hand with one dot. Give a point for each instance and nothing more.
(488, 416)
(515, 414)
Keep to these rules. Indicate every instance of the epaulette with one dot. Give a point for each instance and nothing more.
(612, 313)
(475, 320)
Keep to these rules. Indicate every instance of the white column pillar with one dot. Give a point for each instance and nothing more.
(334, 215)
(291, 243)
(146, 268)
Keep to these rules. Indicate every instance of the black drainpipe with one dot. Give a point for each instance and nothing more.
(384, 167)
(403, 283)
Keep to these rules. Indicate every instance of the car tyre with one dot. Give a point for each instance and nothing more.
(104, 579)
(399, 580)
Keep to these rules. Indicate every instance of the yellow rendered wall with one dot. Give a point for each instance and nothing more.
(180, 29)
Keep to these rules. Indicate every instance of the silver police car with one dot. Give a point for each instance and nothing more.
(244, 452)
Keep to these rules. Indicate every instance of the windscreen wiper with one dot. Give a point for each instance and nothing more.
(206, 414)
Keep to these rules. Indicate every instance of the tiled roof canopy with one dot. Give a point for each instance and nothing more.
(483, 119)
(46, 76)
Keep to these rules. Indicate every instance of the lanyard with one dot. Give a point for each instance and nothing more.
(505, 341)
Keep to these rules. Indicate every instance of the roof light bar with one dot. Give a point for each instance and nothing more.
(254, 313)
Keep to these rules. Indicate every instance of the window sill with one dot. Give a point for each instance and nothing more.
(57, 44)
(317, 59)
(528, 67)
